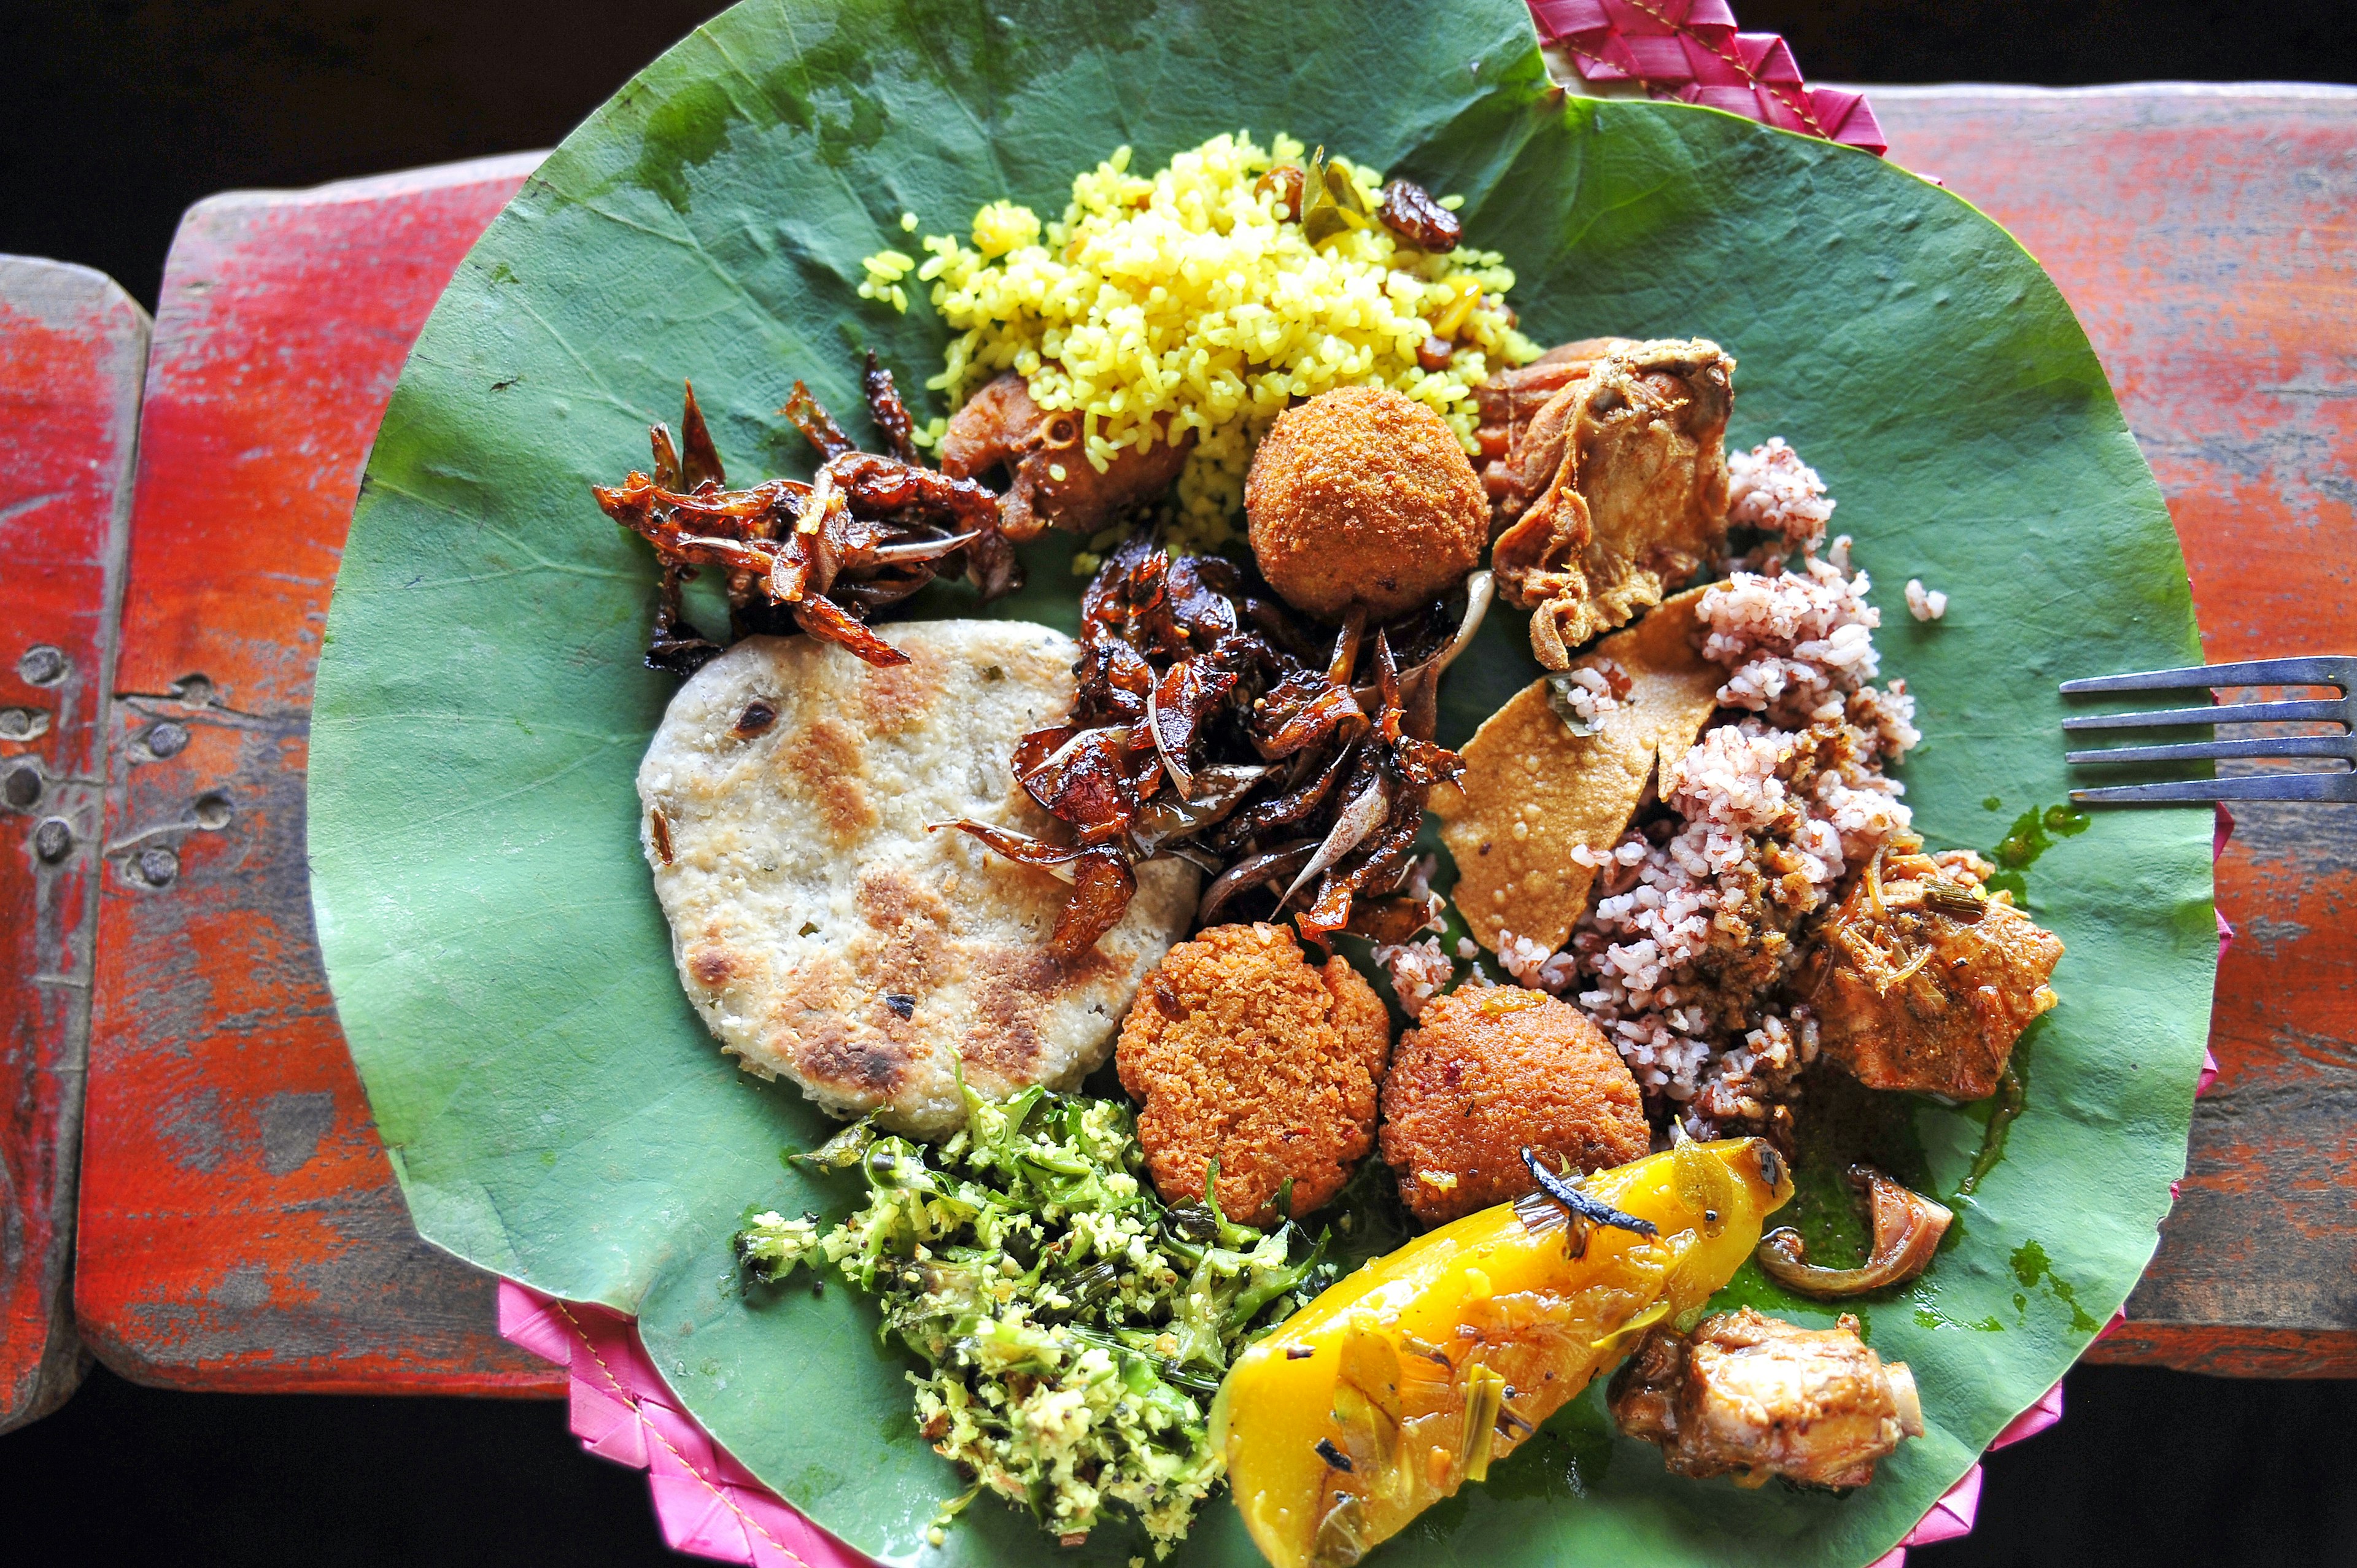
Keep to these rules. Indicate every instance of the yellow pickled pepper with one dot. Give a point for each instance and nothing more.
(1412, 1375)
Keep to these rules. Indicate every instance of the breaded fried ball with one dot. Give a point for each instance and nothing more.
(1239, 1050)
(1364, 495)
(1493, 1070)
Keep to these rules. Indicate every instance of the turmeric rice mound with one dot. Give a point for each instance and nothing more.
(1193, 299)
(1239, 1050)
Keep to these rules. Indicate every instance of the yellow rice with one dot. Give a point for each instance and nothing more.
(1182, 302)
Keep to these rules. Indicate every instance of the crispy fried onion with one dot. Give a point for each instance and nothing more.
(1907, 1231)
(865, 533)
(1210, 726)
(1875, 945)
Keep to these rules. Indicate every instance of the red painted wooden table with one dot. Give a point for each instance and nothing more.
(239, 1228)
(240, 1225)
(72, 346)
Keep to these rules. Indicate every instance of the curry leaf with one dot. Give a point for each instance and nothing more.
(553, 1107)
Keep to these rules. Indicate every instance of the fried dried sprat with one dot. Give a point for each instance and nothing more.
(868, 533)
(1534, 788)
(1209, 725)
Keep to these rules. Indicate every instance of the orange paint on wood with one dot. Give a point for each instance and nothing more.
(241, 1228)
(2230, 1352)
(2208, 239)
(72, 347)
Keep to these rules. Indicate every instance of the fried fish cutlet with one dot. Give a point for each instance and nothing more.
(1364, 496)
(1488, 1072)
(1241, 1051)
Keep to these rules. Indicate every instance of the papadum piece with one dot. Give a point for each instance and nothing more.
(1634, 497)
(823, 932)
(1534, 790)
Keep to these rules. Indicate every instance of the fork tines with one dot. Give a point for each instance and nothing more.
(2338, 672)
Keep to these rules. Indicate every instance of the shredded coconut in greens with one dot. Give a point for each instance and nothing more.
(1075, 1326)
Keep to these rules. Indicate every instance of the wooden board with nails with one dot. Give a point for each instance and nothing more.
(2205, 237)
(240, 1224)
(241, 1228)
(73, 347)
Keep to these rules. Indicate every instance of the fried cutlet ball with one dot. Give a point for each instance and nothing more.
(1493, 1070)
(1240, 1050)
(1364, 496)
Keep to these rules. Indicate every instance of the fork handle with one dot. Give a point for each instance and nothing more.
(2243, 787)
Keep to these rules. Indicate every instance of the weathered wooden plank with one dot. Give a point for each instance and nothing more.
(2207, 236)
(240, 1225)
(73, 347)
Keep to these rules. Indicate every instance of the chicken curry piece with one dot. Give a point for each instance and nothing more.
(1050, 481)
(1612, 491)
(1752, 1396)
(1924, 984)
(1516, 467)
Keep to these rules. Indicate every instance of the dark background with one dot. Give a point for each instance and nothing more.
(124, 112)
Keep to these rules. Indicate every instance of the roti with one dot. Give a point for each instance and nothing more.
(823, 928)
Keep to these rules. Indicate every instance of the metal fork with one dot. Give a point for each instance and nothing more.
(2338, 672)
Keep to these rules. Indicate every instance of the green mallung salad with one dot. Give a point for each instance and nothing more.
(1076, 1327)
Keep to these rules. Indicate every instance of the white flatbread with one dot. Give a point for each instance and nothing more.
(823, 934)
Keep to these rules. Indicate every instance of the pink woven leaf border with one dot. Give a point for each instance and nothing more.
(707, 1504)
(1952, 1514)
(710, 1506)
(1690, 50)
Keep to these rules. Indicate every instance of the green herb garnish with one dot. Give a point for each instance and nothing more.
(1331, 201)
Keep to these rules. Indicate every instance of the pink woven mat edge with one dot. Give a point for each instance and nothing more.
(1692, 51)
(707, 1503)
(710, 1506)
